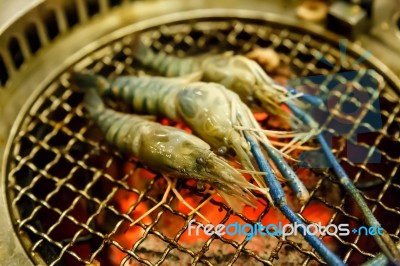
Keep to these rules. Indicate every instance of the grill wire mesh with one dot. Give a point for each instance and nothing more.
(62, 176)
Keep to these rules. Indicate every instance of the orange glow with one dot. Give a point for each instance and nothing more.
(181, 125)
(319, 213)
(126, 236)
(170, 223)
(285, 108)
(260, 116)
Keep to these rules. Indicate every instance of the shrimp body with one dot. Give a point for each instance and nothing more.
(237, 73)
(170, 151)
(212, 111)
(207, 108)
(145, 95)
(202, 106)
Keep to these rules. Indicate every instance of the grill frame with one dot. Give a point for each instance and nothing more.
(212, 13)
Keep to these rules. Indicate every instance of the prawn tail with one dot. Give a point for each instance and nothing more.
(166, 64)
(143, 53)
(83, 82)
(93, 103)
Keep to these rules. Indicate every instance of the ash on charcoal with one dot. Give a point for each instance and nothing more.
(220, 253)
(153, 249)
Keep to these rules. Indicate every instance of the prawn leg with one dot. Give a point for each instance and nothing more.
(171, 151)
(385, 242)
(203, 203)
(212, 111)
(287, 172)
(225, 69)
(162, 201)
(181, 199)
(171, 186)
(279, 199)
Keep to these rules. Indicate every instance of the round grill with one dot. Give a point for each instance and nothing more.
(62, 179)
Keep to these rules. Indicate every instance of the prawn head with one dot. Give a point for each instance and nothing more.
(246, 78)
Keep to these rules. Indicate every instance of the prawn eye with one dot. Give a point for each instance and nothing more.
(201, 160)
(200, 186)
(250, 99)
(222, 150)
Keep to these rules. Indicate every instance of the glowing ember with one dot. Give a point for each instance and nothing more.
(170, 224)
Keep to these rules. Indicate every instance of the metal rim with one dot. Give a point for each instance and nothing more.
(179, 18)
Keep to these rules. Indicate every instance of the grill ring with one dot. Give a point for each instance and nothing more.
(109, 49)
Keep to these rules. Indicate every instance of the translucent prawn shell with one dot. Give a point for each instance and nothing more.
(173, 150)
(246, 78)
(167, 150)
(203, 106)
(232, 72)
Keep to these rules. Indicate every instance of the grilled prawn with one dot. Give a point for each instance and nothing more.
(236, 72)
(214, 113)
(170, 151)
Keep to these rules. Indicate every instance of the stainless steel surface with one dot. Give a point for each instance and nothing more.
(12, 10)
(41, 74)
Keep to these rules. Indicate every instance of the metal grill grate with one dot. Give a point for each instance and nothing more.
(63, 178)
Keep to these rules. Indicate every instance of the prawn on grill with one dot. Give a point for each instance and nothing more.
(236, 72)
(214, 113)
(172, 152)
(156, 98)
(239, 74)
